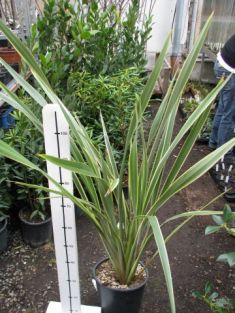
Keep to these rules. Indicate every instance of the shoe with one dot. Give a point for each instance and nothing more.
(223, 174)
(212, 146)
(229, 160)
(230, 197)
(218, 171)
(229, 180)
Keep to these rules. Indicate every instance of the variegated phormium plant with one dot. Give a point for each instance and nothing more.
(124, 225)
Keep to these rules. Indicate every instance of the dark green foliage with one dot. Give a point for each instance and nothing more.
(27, 140)
(92, 38)
(212, 299)
(93, 54)
(226, 222)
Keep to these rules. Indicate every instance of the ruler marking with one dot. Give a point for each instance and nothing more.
(64, 227)
(64, 220)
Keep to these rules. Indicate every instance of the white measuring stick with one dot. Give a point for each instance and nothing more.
(57, 143)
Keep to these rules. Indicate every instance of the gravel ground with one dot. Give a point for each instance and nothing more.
(22, 269)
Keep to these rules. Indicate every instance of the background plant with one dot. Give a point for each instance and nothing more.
(93, 54)
(87, 36)
(113, 95)
(212, 299)
(225, 222)
(26, 139)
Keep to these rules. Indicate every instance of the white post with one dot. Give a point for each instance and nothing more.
(163, 15)
(57, 143)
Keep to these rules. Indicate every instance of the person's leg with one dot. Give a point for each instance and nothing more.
(224, 171)
(213, 141)
(227, 121)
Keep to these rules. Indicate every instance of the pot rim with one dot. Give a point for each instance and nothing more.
(129, 289)
(32, 223)
(7, 49)
(4, 225)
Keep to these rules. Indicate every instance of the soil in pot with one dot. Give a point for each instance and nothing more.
(3, 235)
(35, 232)
(116, 297)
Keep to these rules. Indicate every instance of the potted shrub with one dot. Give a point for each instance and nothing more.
(10, 55)
(34, 212)
(124, 224)
(34, 215)
(36, 227)
(107, 38)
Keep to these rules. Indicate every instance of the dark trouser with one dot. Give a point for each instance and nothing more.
(223, 127)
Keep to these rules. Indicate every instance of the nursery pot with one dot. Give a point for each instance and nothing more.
(3, 42)
(3, 235)
(114, 300)
(10, 55)
(35, 233)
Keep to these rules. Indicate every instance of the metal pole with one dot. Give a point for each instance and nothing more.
(13, 10)
(179, 27)
(194, 21)
(27, 18)
(198, 19)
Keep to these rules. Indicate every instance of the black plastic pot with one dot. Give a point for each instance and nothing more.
(36, 234)
(3, 235)
(113, 300)
(3, 42)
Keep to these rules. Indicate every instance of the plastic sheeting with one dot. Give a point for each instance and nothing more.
(223, 25)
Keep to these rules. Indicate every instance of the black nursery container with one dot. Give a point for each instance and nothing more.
(3, 235)
(36, 234)
(113, 300)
